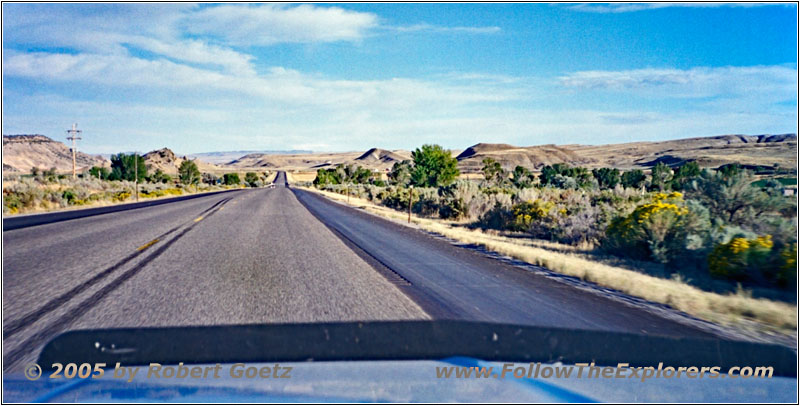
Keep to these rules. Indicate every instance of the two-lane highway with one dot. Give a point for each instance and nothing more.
(268, 256)
(250, 256)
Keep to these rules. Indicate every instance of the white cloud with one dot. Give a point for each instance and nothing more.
(779, 82)
(424, 27)
(271, 24)
(196, 51)
(633, 7)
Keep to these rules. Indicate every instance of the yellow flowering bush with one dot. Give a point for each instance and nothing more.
(526, 213)
(754, 259)
(654, 230)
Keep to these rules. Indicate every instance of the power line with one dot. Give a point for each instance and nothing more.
(73, 136)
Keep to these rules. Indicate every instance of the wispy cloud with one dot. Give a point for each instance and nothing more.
(778, 82)
(424, 27)
(633, 7)
(271, 24)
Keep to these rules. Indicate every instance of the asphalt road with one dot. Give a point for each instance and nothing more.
(267, 256)
(253, 256)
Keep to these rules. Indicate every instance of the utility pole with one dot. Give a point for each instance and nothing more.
(73, 136)
(136, 173)
(410, 201)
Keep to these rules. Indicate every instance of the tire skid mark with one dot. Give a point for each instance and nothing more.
(18, 325)
(45, 334)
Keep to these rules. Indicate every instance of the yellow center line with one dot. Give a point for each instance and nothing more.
(144, 247)
(198, 219)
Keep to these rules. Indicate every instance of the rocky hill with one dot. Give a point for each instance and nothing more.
(23, 152)
(166, 160)
(509, 156)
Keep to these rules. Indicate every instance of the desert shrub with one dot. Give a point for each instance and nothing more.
(11, 203)
(530, 212)
(752, 259)
(70, 196)
(583, 225)
(426, 201)
(456, 199)
(658, 230)
(394, 197)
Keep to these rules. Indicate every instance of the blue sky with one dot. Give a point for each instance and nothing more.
(344, 77)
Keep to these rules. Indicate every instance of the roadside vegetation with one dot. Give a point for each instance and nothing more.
(44, 190)
(718, 244)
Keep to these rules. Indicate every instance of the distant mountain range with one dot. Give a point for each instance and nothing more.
(22, 152)
(221, 157)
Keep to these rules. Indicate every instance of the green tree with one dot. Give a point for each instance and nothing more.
(231, 179)
(328, 177)
(563, 176)
(522, 177)
(684, 174)
(160, 177)
(210, 179)
(433, 167)
(493, 172)
(607, 178)
(35, 171)
(251, 178)
(633, 179)
(124, 167)
(99, 172)
(661, 177)
(401, 173)
(188, 173)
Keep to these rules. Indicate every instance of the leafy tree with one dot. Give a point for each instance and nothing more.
(124, 167)
(401, 173)
(210, 179)
(188, 173)
(251, 178)
(522, 177)
(231, 179)
(493, 172)
(35, 171)
(660, 177)
(633, 179)
(684, 174)
(730, 170)
(563, 176)
(357, 174)
(433, 167)
(328, 177)
(607, 178)
(160, 177)
(99, 172)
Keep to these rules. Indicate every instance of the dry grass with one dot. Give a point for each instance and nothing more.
(738, 310)
(301, 176)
